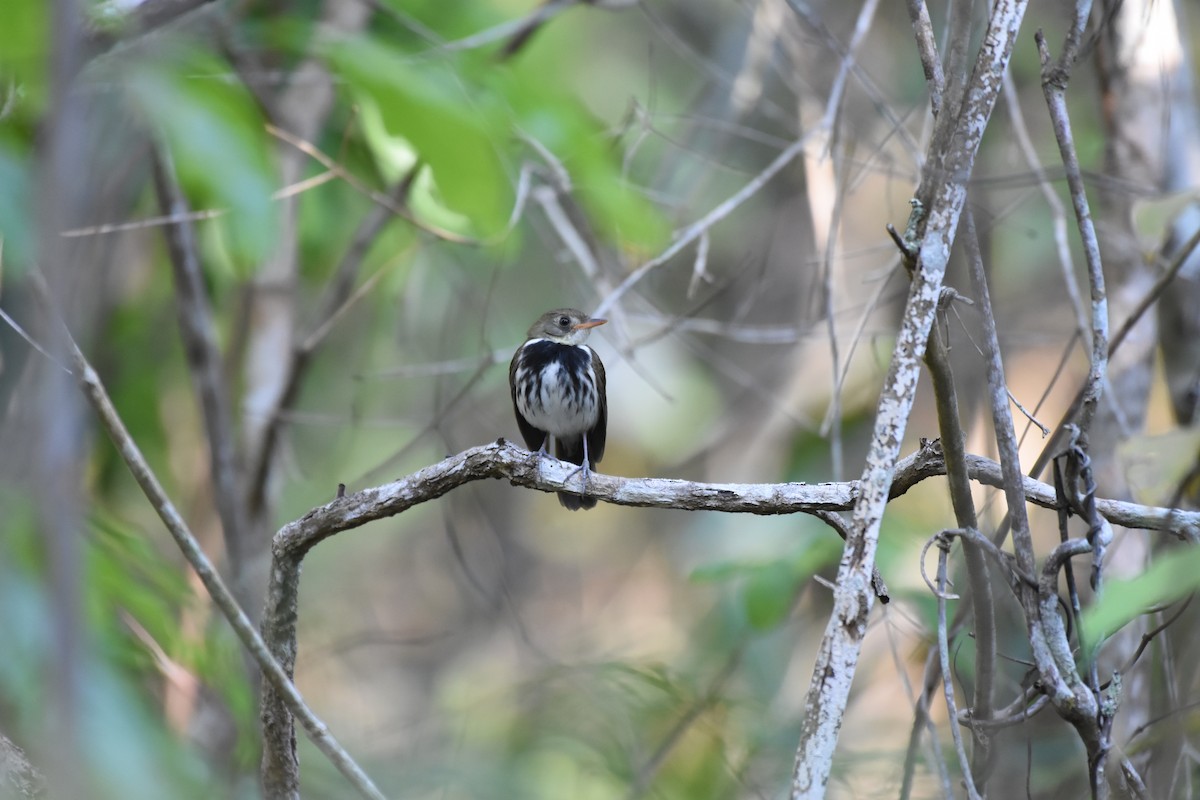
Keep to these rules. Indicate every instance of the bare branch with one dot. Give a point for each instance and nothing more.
(530, 470)
(338, 299)
(141, 224)
(943, 545)
(519, 467)
(701, 226)
(945, 185)
(278, 680)
(842, 526)
(1066, 263)
(19, 778)
(931, 63)
(979, 584)
(504, 460)
(204, 362)
(1054, 79)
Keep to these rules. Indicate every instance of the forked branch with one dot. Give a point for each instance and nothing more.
(502, 460)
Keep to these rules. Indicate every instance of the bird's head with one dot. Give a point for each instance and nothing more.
(564, 326)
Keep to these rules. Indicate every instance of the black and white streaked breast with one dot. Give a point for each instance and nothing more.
(558, 387)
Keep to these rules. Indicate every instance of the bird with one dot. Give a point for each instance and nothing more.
(558, 392)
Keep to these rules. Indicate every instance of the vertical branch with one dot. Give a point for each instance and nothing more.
(204, 361)
(1002, 421)
(979, 580)
(337, 300)
(1146, 83)
(931, 64)
(945, 181)
(1065, 262)
(1052, 652)
(19, 778)
(832, 242)
(54, 421)
(943, 546)
(280, 769)
(921, 721)
(952, 436)
(1054, 81)
(302, 108)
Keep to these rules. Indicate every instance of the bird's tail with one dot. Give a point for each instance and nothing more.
(572, 451)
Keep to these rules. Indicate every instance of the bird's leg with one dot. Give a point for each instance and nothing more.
(584, 468)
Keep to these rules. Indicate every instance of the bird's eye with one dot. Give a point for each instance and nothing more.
(564, 322)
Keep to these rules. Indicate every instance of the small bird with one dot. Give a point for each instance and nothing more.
(558, 391)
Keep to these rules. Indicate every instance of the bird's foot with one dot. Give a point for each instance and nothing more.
(586, 474)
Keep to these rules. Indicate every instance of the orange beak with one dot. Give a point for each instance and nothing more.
(591, 323)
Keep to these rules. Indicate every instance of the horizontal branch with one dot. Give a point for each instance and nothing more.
(520, 467)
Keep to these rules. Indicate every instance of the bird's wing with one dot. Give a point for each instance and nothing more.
(533, 437)
(597, 435)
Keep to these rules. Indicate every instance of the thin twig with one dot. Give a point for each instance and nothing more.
(375, 196)
(937, 357)
(1053, 446)
(842, 526)
(834, 415)
(222, 598)
(931, 63)
(1149, 635)
(198, 332)
(340, 297)
(1053, 87)
(702, 225)
(964, 762)
(1066, 263)
(1002, 421)
(1020, 712)
(148, 222)
(923, 722)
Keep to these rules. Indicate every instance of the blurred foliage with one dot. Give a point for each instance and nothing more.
(767, 590)
(15, 217)
(1173, 576)
(129, 754)
(214, 133)
(460, 138)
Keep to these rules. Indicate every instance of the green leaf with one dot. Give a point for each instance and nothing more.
(16, 218)
(458, 135)
(24, 42)
(1168, 579)
(216, 137)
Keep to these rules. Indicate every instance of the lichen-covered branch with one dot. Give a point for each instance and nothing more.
(505, 461)
(943, 193)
